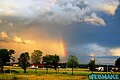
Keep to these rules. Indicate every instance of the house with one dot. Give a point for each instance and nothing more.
(36, 66)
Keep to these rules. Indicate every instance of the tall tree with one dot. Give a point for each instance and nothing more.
(5, 56)
(72, 62)
(117, 63)
(51, 60)
(91, 65)
(46, 62)
(36, 56)
(24, 61)
(55, 62)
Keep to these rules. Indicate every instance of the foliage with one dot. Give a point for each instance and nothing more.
(91, 65)
(72, 62)
(55, 60)
(24, 61)
(5, 56)
(51, 60)
(36, 56)
(117, 62)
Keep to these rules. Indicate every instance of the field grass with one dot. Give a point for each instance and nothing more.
(64, 74)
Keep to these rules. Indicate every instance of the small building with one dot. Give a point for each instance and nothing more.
(37, 66)
(15, 64)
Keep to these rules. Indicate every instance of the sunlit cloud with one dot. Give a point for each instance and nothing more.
(51, 46)
(35, 38)
(115, 52)
(92, 55)
(94, 19)
(17, 39)
(108, 6)
(29, 42)
(110, 9)
(3, 35)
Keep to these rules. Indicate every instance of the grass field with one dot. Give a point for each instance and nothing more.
(64, 74)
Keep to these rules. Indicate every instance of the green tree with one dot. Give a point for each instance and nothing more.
(24, 61)
(5, 56)
(91, 65)
(46, 62)
(55, 62)
(36, 58)
(72, 62)
(51, 60)
(117, 62)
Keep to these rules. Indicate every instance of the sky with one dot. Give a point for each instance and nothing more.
(87, 29)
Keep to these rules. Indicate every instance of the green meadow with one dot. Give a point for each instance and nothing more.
(16, 73)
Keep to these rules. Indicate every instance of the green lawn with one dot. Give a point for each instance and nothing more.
(64, 74)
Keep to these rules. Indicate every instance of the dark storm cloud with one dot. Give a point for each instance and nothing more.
(105, 36)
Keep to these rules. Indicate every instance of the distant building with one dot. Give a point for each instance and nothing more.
(105, 68)
(15, 65)
(60, 65)
(37, 66)
(100, 69)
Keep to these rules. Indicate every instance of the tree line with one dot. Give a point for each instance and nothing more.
(37, 58)
(6, 56)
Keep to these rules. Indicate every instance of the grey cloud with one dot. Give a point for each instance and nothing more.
(55, 11)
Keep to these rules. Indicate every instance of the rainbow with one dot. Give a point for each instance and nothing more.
(63, 48)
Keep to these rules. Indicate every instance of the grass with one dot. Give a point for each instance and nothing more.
(41, 77)
(64, 74)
